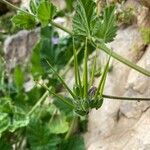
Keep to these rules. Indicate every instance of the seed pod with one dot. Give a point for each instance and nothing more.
(92, 91)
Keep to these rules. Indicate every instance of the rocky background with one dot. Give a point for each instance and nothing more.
(118, 125)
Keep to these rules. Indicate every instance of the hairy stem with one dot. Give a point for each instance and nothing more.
(102, 81)
(125, 98)
(93, 70)
(62, 81)
(85, 71)
(124, 60)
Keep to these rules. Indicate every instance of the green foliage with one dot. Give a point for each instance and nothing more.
(42, 12)
(107, 27)
(84, 21)
(88, 24)
(52, 124)
(40, 138)
(45, 12)
(58, 125)
(145, 32)
(4, 119)
(11, 117)
(33, 6)
(24, 20)
(4, 145)
(18, 77)
(74, 143)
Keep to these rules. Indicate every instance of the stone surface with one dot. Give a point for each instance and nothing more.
(123, 125)
(17, 48)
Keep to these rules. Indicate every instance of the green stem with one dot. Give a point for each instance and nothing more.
(75, 63)
(52, 117)
(62, 81)
(93, 70)
(70, 61)
(125, 98)
(38, 103)
(72, 127)
(85, 71)
(56, 95)
(118, 57)
(61, 27)
(102, 81)
(76, 66)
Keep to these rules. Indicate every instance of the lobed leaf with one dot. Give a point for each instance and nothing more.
(45, 12)
(86, 23)
(107, 27)
(39, 137)
(24, 20)
(84, 19)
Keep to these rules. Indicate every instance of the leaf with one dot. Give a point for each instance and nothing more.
(33, 6)
(4, 122)
(74, 143)
(36, 61)
(46, 12)
(4, 145)
(107, 27)
(19, 121)
(18, 77)
(84, 21)
(24, 20)
(63, 107)
(58, 125)
(6, 105)
(39, 137)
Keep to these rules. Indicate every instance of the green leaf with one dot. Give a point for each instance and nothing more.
(33, 6)
(4, 122)
(24, 20)
(74, 143)
(18, 121)
(107, 27)
(6, 105)
(46, 12)
(58, 125)
(4, 145)
(36, 61)
(84, 21)
(63, 107)
(18, 77)
(39, 137)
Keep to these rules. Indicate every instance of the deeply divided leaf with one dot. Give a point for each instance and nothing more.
(107, 27)
(87, 23)
(84, 19)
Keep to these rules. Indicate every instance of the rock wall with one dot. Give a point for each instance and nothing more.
(124, 125)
